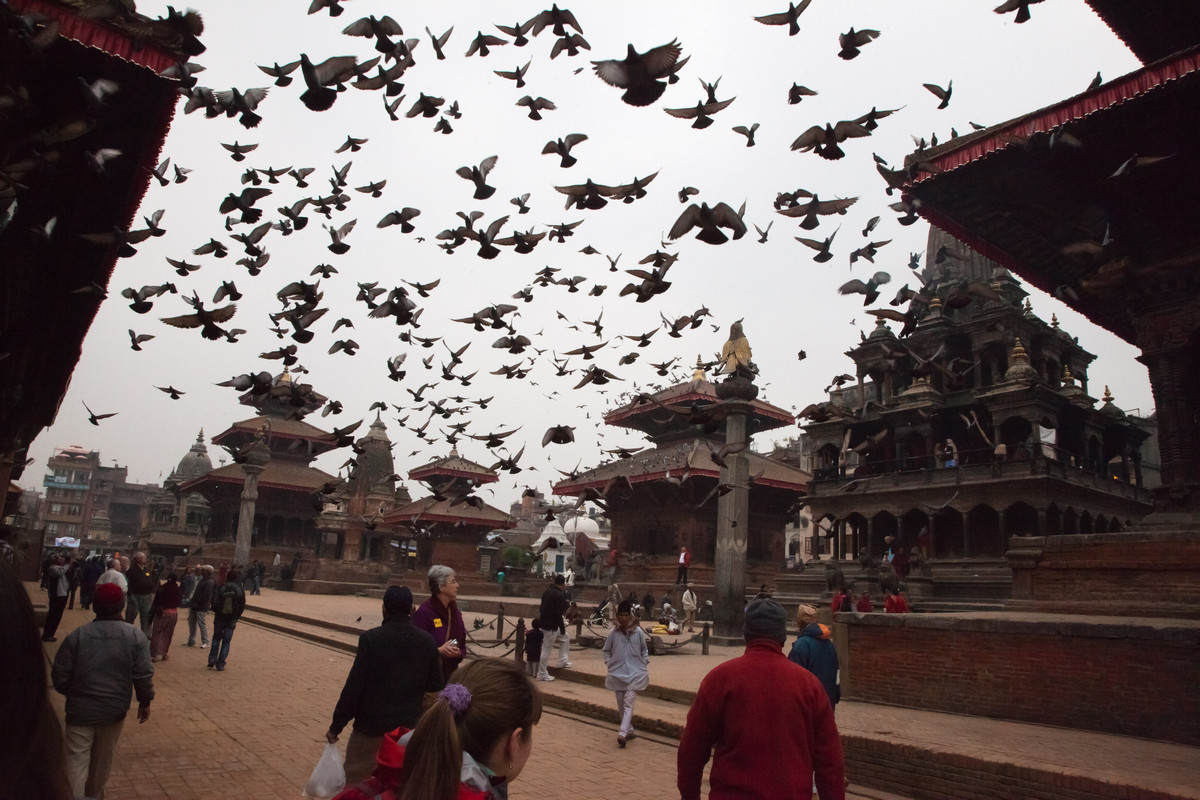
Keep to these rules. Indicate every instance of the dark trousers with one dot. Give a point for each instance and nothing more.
(681, 575)
(71, 595)
(85, 595)
(222, 635)
(54, 616)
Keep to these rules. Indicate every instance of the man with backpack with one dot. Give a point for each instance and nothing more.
(228, 604)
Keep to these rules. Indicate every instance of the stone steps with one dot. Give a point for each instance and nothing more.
(909, 752)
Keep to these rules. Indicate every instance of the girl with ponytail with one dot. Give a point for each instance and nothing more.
(470, 743)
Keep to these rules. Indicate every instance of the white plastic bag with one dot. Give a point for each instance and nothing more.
(329, 776)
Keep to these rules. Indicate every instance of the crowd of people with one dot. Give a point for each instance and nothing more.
(473, 738)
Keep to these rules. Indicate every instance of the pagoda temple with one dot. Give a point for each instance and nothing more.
(975, 427)
(448, 525)
(1092, 198)
(1113, 230)
(52, 278)
(285, 513)
(1113, 234)
(666, 497)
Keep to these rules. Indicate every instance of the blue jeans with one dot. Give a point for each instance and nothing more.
(221, 636)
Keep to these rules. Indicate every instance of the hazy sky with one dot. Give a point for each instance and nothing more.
(789, 303)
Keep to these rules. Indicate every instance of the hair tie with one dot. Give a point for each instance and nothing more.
(458, 697)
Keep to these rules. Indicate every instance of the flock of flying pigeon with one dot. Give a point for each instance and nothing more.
(433, 362)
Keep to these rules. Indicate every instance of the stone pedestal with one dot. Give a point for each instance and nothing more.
(257, 458)
(733, 513)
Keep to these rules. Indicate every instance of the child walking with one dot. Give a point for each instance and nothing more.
(533, 647)
(628, 659)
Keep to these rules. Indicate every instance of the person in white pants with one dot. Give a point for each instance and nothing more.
(627, 657)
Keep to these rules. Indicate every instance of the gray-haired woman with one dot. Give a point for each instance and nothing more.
(440, 617)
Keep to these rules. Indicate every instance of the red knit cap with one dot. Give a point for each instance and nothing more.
(108, 594)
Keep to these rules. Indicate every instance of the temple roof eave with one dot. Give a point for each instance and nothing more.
(277, 475)
(431, 509)
(695, 461)
(967, 189)
(764, 416)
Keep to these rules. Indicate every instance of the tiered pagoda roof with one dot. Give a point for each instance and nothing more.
(685, 423)
(1099, 240)
(45, 177)
(647, 415)
(282, 434)
(451, 467)
(473, 512)
(678, 461)
(454, 478)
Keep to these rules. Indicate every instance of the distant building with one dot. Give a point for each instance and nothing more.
(92, 503)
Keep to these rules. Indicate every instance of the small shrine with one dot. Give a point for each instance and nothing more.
(286, 509)
(448, 525)
(667, 496)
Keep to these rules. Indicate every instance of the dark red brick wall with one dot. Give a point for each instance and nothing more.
(930, 774)
(1122, 679)
(1149, 573)
(1142, 574)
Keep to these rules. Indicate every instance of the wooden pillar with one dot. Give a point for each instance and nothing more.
(1165, 338)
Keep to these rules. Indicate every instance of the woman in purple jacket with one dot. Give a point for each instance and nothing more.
(440, 617)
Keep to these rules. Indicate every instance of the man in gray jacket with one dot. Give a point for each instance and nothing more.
(97, 667)
(199, 606)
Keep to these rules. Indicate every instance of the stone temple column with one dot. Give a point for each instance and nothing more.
(733, 512)
(257, 458)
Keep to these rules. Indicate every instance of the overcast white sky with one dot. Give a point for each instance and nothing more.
(789, 303)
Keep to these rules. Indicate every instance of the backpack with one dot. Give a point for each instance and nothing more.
(228, 598)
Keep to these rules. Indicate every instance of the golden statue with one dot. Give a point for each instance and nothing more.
(735, 354)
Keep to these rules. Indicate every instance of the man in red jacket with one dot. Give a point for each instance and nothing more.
(766, 722)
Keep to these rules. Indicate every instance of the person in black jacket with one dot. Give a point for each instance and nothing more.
(396, 663)
(554, 605)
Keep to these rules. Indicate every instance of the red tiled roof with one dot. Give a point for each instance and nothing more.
(454, 467)
(971, 148)
(696, 392)
(430, 509)
(100, 35)
(279, 426)
(693, 457)
(277, 475)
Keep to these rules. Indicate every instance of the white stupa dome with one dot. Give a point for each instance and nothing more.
(584, 525)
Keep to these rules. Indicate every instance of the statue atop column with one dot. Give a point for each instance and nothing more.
(735, 355)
